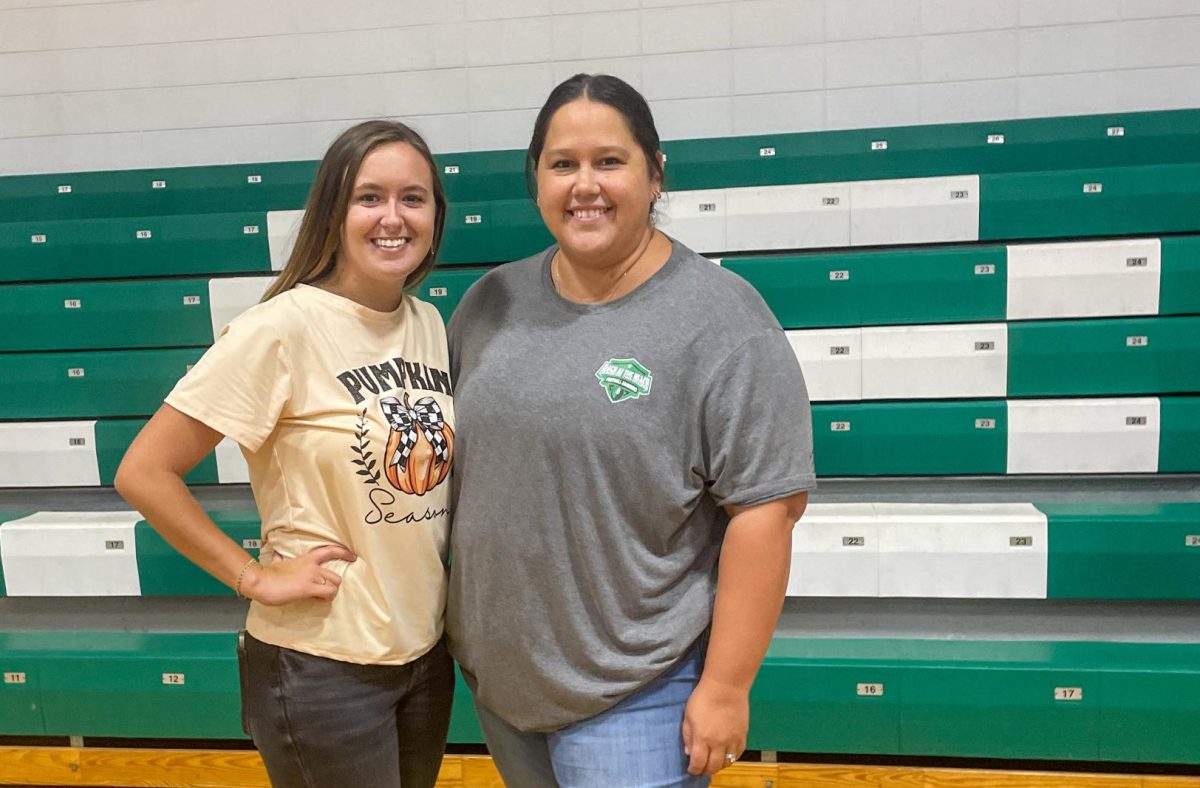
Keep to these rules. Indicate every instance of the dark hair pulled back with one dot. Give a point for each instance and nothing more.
(605, 89)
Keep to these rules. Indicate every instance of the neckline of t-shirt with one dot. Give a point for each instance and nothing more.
(661, 275)
(352, 307)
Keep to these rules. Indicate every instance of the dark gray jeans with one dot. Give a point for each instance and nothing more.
(324, 723)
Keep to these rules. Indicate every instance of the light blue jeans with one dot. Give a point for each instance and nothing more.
(636, 744)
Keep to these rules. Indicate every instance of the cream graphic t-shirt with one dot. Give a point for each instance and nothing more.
(346, 418)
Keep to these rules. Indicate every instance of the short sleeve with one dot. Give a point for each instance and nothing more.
(241, 385)
(757, 424)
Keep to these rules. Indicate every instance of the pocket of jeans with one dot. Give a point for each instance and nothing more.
(243, 679)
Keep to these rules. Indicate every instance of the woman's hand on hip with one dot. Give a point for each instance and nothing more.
(293, 579)
(715, 724)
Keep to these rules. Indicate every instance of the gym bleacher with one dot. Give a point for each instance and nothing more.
(999, 324)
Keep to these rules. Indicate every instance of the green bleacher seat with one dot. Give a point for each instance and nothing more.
(1179, 448)
(105, 315)
(1180, 276)
(1159, 198)
(1002, 699)
(113, 437)
(979, 699)
(162, 571)
(1145, 138)
(167, 191)
(1157, 355)
(492, 232)
(86, 453)
(1123, 551)
(201, 243)
(955, 285)
(989, 436)
(1110, 140)
(88, 384)
(965, 284)
(131, 684)
(908, 438)
(928, 550)
(445, 287)
(478, 176)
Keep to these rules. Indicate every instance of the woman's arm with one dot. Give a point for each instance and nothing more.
(751, 582)
(150, 478)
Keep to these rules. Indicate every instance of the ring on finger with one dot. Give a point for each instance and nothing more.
(730, 757)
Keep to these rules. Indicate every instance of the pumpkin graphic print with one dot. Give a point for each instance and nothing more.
(420, 444)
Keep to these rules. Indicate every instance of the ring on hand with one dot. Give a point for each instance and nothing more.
(730, 757)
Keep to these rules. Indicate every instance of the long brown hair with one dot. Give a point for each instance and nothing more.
(317, 242)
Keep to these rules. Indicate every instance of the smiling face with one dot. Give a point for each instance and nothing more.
(389, 224)
(595, 185)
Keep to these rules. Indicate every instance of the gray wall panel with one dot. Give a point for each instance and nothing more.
(955, 16)
(687, 28)
(156, 83)
(761, 23)
(988, 55)
(602, 35)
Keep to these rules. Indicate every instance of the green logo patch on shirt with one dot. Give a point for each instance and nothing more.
(624, 378)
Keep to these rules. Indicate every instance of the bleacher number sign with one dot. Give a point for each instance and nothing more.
(1137, 341)
(64, 189)
(1137, 262)
(438, 292)
(451, 169)
(14, 678)
(839, 276)
(1116, 131)
(191, 300)
(995, 139)
(158, 184)
(252, 544)
(1135, 421)
(144, 234)
(474, 219)
(75, 372)
(766, 151)
(870, 690)
(1020, 541)
(985, 424)
(839, 426)
(854, 541)
(72, 303)
(1191, 540)
(879, 145)
(1068, 693)
(985, 269)
(175, 679)
(1093, 188)
(37, 239)
(253, 179)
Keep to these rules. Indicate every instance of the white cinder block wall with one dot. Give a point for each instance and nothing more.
(115, 84)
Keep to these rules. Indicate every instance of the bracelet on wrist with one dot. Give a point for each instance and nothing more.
(237, 587)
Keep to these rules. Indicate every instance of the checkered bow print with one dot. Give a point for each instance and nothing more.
(426, 416)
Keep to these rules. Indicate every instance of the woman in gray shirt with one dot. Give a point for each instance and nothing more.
(635, 446)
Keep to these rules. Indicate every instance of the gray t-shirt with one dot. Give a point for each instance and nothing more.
(596, 446)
